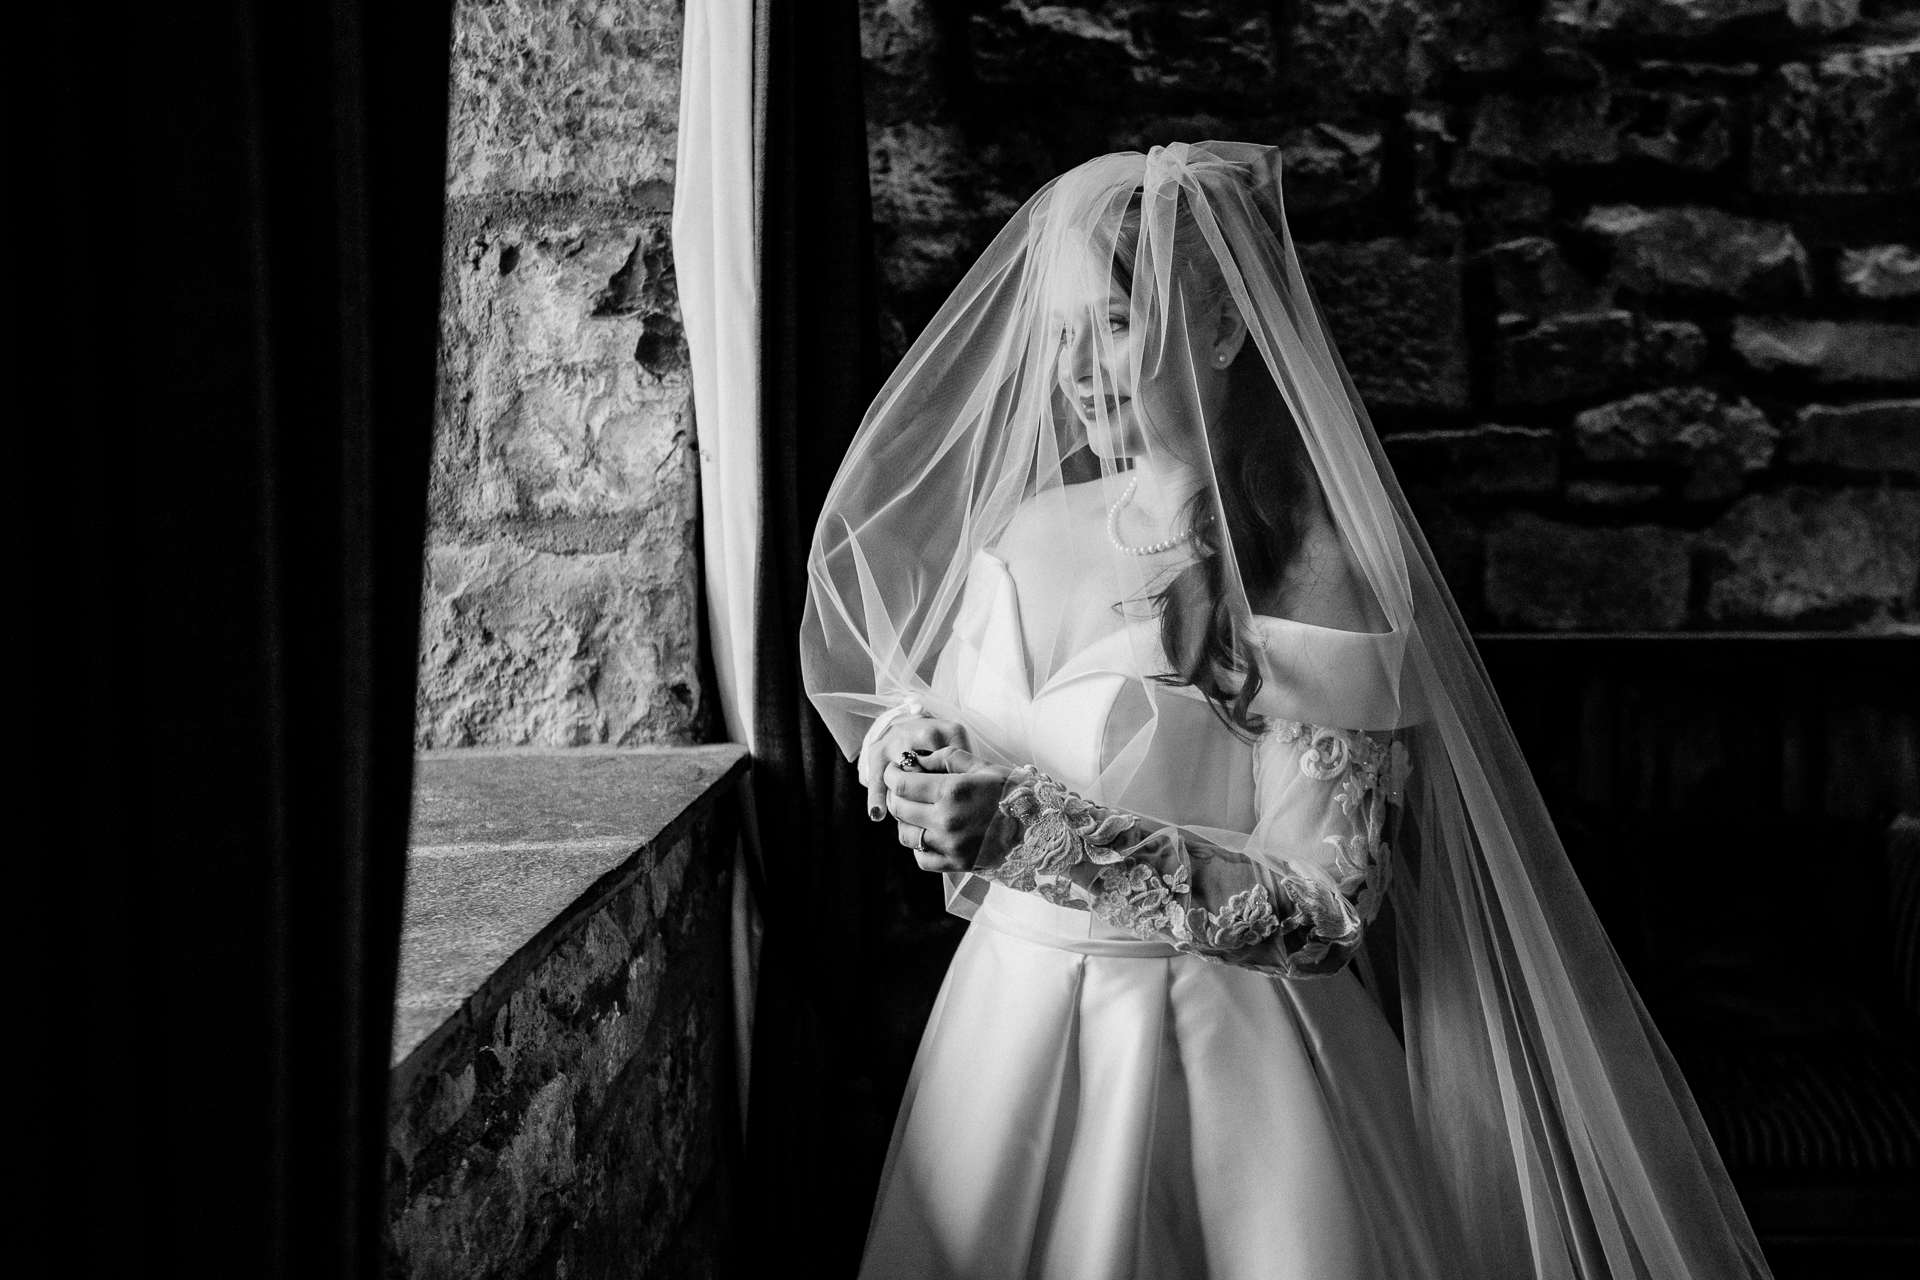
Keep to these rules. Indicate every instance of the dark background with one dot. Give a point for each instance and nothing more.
(1631, 293)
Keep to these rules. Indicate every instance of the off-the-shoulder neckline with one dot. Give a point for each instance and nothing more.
(1259, 619)
(1268, 619)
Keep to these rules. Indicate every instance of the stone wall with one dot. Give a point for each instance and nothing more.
(1631, 287)
(573, 1134)
(562, 1099)
(562, 600)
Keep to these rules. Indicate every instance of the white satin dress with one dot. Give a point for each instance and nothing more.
(1086, 1105)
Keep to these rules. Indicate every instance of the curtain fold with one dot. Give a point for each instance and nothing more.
(715, 261)
(714, 250)
(240, 318)
(818, 1133)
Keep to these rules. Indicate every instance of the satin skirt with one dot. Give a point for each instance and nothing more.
(1088, 1106)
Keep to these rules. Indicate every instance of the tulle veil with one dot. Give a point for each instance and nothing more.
(1563, 1135)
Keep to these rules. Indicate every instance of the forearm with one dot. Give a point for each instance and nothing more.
(1159, 881)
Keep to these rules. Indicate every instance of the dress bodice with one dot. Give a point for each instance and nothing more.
(1094, 723)
(1082, 723)
(1103, 728)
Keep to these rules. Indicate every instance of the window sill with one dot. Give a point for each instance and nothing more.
(510, 847)
(561, 1069)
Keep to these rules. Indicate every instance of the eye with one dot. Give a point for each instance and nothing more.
(1117, 321)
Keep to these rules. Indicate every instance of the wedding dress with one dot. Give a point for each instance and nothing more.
(1129, 1110)
(1100, 517)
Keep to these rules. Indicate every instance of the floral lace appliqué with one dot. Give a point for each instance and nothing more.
(1059, 829)
(1144, 883)
(1368, 772)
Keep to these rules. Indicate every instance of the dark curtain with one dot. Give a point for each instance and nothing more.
(228, 297)
(816, 1134)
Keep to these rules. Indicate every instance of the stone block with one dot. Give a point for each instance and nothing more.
(1568, 358)
(1353, 51)
(1841, 125)
(1699, 250)
(1718, 442)
(1830, 350)
(1490, 460)
(1560, 129)
(520, 647)
(1481, 37)
(550, 97)
(1395, 313)
(1504, 205)
(902, 46)
(1681, 127)
(1823, 16)
(1223, 50)
(1819, 558)
(1881, 272)
(1324, 166)
(924, 197)
(1127, 51)
(1880, 435)
(917, 173)
(1688, 75)
(1431, 141)
(1684, 126)
(1678, 19)
(565, 394)
(1611, 493)
(1532, 279)
(1018, 43)
(1671, 348)
(1545, 575)
(1639, 20)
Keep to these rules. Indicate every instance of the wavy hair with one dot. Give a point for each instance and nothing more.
(1263, 479)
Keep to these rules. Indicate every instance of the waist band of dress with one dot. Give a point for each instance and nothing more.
(994, 917)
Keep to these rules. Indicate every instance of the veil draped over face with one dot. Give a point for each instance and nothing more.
(1130, 417)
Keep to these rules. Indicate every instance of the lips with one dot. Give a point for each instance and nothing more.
(1112, 403)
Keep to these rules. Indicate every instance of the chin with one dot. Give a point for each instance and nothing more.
(1113, 445)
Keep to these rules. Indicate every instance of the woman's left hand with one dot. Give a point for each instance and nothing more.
(952, 797)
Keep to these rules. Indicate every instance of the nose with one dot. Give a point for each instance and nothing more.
(1078, 360)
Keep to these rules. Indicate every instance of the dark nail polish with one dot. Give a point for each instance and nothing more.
(876, 813)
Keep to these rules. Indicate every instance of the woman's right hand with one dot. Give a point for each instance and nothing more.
(920, 734)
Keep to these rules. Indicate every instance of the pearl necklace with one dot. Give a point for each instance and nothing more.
(1152, 548)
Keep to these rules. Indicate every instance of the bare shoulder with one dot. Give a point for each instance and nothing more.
(1327, 587)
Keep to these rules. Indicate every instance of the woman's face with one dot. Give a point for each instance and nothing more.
(1124, 415)
(1093, 367)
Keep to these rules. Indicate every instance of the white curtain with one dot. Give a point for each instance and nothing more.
(716, 258)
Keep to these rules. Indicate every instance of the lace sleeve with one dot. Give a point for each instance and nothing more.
(1297, 911)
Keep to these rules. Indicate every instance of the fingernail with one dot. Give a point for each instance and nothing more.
(876, 813)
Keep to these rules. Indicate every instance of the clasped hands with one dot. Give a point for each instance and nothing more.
(946, 803)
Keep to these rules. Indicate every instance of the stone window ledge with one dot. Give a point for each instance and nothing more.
(561, 1070)
(509, 848)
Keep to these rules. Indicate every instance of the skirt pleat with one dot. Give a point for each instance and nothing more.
(1112, 1116)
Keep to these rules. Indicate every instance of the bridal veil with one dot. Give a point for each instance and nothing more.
(1550, 1109)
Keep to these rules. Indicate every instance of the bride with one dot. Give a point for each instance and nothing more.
(1276, 966)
